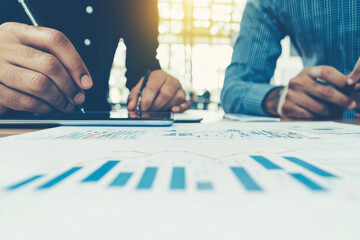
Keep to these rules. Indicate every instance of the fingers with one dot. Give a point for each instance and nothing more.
(162, 92)
(49, 66)
(181, 108)
(329, 74)
(22, 102)
(292, 110)
(307, 103)
(178, 103)
(155, 83)
(58, 45)
(35, 84)
(306, 83)
(169, 95)
(332, 95)
(133, 96)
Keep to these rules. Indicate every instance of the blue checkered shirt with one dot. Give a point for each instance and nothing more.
(324, 32)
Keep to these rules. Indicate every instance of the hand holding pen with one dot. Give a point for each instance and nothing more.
(40, 70)
(158, 91)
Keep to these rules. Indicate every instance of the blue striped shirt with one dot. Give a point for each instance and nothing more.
(324, 32)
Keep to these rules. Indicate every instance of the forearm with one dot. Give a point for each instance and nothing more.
(240, 96)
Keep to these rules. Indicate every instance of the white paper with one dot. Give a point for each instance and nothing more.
(250, 118)
(211, 202)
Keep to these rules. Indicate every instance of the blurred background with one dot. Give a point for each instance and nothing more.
(196, 38)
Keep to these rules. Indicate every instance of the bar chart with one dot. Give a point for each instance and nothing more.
(180, 178)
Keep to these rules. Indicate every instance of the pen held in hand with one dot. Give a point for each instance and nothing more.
(36, 22)
(143, 85)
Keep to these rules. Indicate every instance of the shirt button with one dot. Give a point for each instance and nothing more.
(89, 9)
(87, 42)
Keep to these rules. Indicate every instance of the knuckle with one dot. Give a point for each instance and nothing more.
(44, 109)
(25, 52)
(325, 72)
(181, 95)
(295, 83)
(326, 92)
(8, 26)
(59, 101)
(286, 108)
(28, 103)
(321, 109)
(39, 83)
(146, 104)
(56, 37)
(167, 93)
(289, 95)
(345, 101)
(159, 74)
(152, 87)
(50, 65)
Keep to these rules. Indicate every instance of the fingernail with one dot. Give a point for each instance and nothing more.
(350, 81)
(79, 98)
(69, 108)
(86, 81)
(352, 105)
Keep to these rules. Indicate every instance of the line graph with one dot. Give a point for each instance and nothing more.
(143, 154)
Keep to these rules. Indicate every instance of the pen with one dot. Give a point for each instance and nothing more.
(143, 85)
(36, 22)
(347, 89)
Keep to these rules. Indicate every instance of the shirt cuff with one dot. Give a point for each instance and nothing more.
(246, 100)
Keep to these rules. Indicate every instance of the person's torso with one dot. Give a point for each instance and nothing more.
(325, 32)
(94, 27)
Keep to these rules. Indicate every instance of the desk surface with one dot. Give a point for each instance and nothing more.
(5, 132)
(210, 117)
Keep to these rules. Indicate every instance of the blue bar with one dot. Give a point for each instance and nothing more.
(309, 167)
(121, 180)
(101, 172)
(178, 178)
(245, 179)
(148, 178)
(59, 178)
(20, 184)
(204, 186)
(307, 182)
(266, 163)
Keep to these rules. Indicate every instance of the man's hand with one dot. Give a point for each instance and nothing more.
(40, 70)
(306, 98)
(162, 92)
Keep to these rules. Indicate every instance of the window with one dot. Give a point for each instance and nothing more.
(195, 39)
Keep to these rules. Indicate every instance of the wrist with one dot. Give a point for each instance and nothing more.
(271, 101)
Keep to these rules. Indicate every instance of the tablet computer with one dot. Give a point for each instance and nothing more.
(114, 118)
